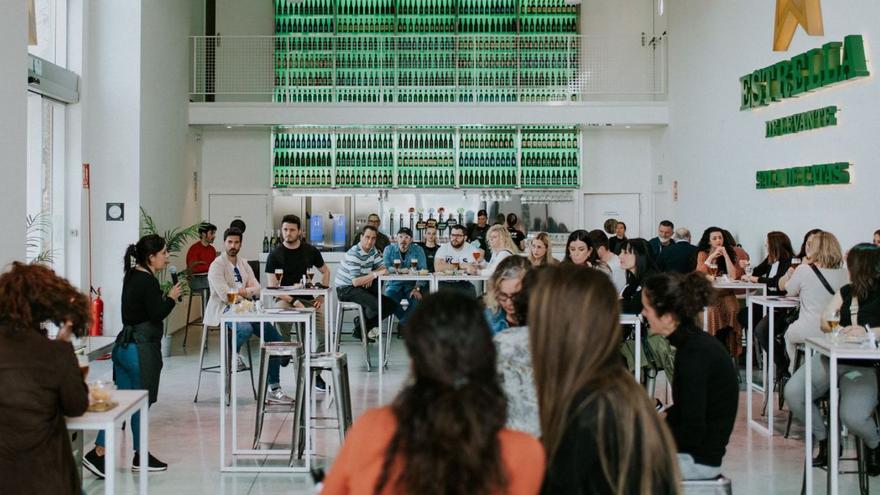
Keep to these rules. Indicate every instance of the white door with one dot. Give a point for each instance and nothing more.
(253, 209)
(621, 207)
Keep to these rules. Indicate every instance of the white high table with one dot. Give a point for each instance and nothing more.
(834, 352)
(305, 316)
(395, 278)
(751, 288)
(626, 319)
(771, 304)
(327, 293)
(129, 402)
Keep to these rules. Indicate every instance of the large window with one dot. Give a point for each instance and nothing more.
(45, 181)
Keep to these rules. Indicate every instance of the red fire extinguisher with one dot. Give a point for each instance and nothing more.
(97, 327)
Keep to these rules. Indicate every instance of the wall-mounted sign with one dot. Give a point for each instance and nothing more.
(799, 122)
(833, 63)
(793, 13)
(821, 174)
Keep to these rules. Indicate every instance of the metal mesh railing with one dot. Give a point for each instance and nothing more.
(426, 68)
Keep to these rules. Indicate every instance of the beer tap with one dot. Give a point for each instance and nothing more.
(411, 213)
(420, 225)
(391, 222)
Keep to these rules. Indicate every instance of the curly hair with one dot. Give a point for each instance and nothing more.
(450, 413)
(33, 294)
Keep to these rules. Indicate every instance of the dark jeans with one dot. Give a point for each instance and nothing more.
(368, 298)
(127, 374)
(466, 288)
(762, 334)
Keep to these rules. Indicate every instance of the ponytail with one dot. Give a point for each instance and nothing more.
(130, 258)
(682, 295)
(146, 246)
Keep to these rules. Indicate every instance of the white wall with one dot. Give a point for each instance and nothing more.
(112, 127)
(713, 149)
(13, 131)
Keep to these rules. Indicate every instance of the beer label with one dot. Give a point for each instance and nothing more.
(441, 226)
(421, 225)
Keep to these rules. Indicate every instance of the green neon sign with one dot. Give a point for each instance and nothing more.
(835, 62)
(822, 174)
(799, 122)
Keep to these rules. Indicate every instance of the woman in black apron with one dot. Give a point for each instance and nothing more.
(137, 354)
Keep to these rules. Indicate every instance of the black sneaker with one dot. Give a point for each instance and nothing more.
(153, 464)
(356, 333)
(94, 463)
(320, 384)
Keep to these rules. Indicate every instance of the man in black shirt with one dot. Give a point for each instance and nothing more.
(296, 258)
(430, 246)
(477, 231)
(518, 237)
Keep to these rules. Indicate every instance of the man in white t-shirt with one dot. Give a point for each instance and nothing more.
(456, 251)
(600, 244)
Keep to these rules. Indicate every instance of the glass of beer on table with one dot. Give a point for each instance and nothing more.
(231, 294)
(477, 256)
(279, 274)
(397, 265)
(83, 362)
(414, 264)
(713, 269)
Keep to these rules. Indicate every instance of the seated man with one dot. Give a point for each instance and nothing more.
(232, 272)
(404, 252)
(355, 279)
(456, 252)
(201, 254)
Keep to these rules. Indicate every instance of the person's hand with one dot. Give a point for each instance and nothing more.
(243, 293)
(319, 301)
(854, 331)
(285, 298)
(174, 293)
(416, 294)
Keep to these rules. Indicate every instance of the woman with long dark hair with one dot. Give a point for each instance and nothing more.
(40, 379)
(599, 428)
(636, 259)
(137, 353)
(858, 304)
(705, 391)
(580, 250)
(444, 433)
(716, 256)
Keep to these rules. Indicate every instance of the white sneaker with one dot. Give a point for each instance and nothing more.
(373, 333)
(277, 396)
(241, 365)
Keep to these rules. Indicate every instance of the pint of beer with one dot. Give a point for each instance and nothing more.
(230, 296)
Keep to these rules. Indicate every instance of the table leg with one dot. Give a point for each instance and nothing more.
(110, 460)
(833, 429)
(771, 377)
(144, 445)
(808, 426)
(327, 343)
(223, 337)
(233, 388)
(381, 354)
(638, 338)
(308, 394)
(750, 355)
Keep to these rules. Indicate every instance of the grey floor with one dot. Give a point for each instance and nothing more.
(186, 435)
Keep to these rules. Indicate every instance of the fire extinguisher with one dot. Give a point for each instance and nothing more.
(97, 327)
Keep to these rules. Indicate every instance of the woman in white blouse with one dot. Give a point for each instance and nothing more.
(814, 282)
(501, 245)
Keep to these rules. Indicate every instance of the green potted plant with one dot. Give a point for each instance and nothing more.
(176, 240)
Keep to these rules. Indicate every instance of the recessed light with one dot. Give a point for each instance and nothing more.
(229, 127)
(629, 127)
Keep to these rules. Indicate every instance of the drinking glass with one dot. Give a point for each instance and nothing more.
(397, 265)
(832, 318)
(414, 263)
(83, 362)
(713, 269)
(279, 274)
(748, 269)
(231, 294)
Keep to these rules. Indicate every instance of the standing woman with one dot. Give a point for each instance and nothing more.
(715, 250)
(40, 380)
(137, 354)
(600, 431)
(541, 251)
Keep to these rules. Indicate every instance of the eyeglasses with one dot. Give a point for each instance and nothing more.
(503, 297)
(457, 235)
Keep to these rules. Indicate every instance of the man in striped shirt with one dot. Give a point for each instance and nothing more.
(356, 281)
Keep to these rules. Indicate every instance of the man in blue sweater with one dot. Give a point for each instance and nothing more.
(404, 251)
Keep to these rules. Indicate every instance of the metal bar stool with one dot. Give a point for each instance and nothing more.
(341, 309)
(337, 364)
(198, 285)
(216, 368)
(292, 350)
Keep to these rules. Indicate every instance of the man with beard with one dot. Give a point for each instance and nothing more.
(663, 239)
(404, 252)
(459, 252)
(231, 272)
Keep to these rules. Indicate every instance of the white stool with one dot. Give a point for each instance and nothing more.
(341, 308)
(216, 368)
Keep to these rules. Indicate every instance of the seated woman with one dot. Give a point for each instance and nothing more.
(600, 430)
(705, 391)
(541, 251)
(515, 365)
(444, 433)
(858, 304)
(636, 259)
(500, 245)
(814, 282)
(40, 379)
(502, 286)
(769, 272)
(717, 257)
(580, 250)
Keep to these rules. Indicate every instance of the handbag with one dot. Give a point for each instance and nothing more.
(795, 313)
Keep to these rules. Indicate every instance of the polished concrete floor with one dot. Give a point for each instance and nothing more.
(186, 434)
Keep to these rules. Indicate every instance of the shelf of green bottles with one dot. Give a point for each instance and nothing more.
(424, 50)
(464, 157)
